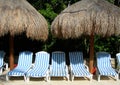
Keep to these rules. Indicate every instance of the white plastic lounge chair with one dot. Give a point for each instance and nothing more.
(24, 64)
(104, 67)
(41, 66)
(77, 66)
(58, 66)
(118, 62)
(3, 65)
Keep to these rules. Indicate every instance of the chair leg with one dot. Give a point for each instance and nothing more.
(1, 70)
(98, 75)
(117, 77)
(47, 76)
(72, 77)
(6, 67)
(27, 79)
(98, 78)
(68, 77)
(7, 78)
(91, 77)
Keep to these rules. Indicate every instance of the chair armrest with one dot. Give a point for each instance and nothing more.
(118, 66)
(117, 70)
(86, 67)
(70, 68)
(66, 67)
(6, 66)
(32, 66)
(50, 67)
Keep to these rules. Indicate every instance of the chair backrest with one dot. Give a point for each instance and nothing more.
(42, 59)
(58, 59)
(118, 57)
(76, 58)
(25, 59)
(103, 59)
(2, 54)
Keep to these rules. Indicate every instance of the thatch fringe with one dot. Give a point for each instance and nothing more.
(85, 17)
(17, 16)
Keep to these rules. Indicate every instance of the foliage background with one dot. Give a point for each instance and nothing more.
(50, 9)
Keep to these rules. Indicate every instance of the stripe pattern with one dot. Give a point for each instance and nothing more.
(118, 61)
(41, 65)
(77, 65)
(58, 67)
(24, 64)
(2, 55)
(104, 65)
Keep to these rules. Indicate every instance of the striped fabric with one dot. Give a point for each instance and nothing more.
(2, 63)
(24, 64)
(41, 65)
(118, 62)
(77, 66)
(2, 54)
(104, 65)
(58, 67)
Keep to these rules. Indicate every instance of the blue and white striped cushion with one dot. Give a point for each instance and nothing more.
(41, 65)
(58, 64)
(77, 64)
(118, 60)
(24, 64)
(2, 54)
(104, 65)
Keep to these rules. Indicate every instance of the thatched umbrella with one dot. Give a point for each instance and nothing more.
(87, 17)
(18, 16)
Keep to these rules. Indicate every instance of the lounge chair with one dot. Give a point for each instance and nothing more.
(58, 66)
(118, 62)
(41, 66)
(77, 66)
(3, 65)
(23, 66)
(104, 67)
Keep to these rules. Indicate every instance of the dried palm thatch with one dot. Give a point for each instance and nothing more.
(85, 17)
(17, 16)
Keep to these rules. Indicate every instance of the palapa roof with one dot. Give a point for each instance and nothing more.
(17, 16)
(85, 17)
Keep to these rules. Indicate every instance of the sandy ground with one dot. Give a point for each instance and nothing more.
(57, 81)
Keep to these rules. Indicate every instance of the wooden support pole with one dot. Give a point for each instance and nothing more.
(11, 59)
(91, 61)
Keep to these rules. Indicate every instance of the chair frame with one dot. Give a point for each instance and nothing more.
(114, 70)
(86, 69)
(118, 61)
(23, 72)
(4, 65)
(66, 67)
(46, 76)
